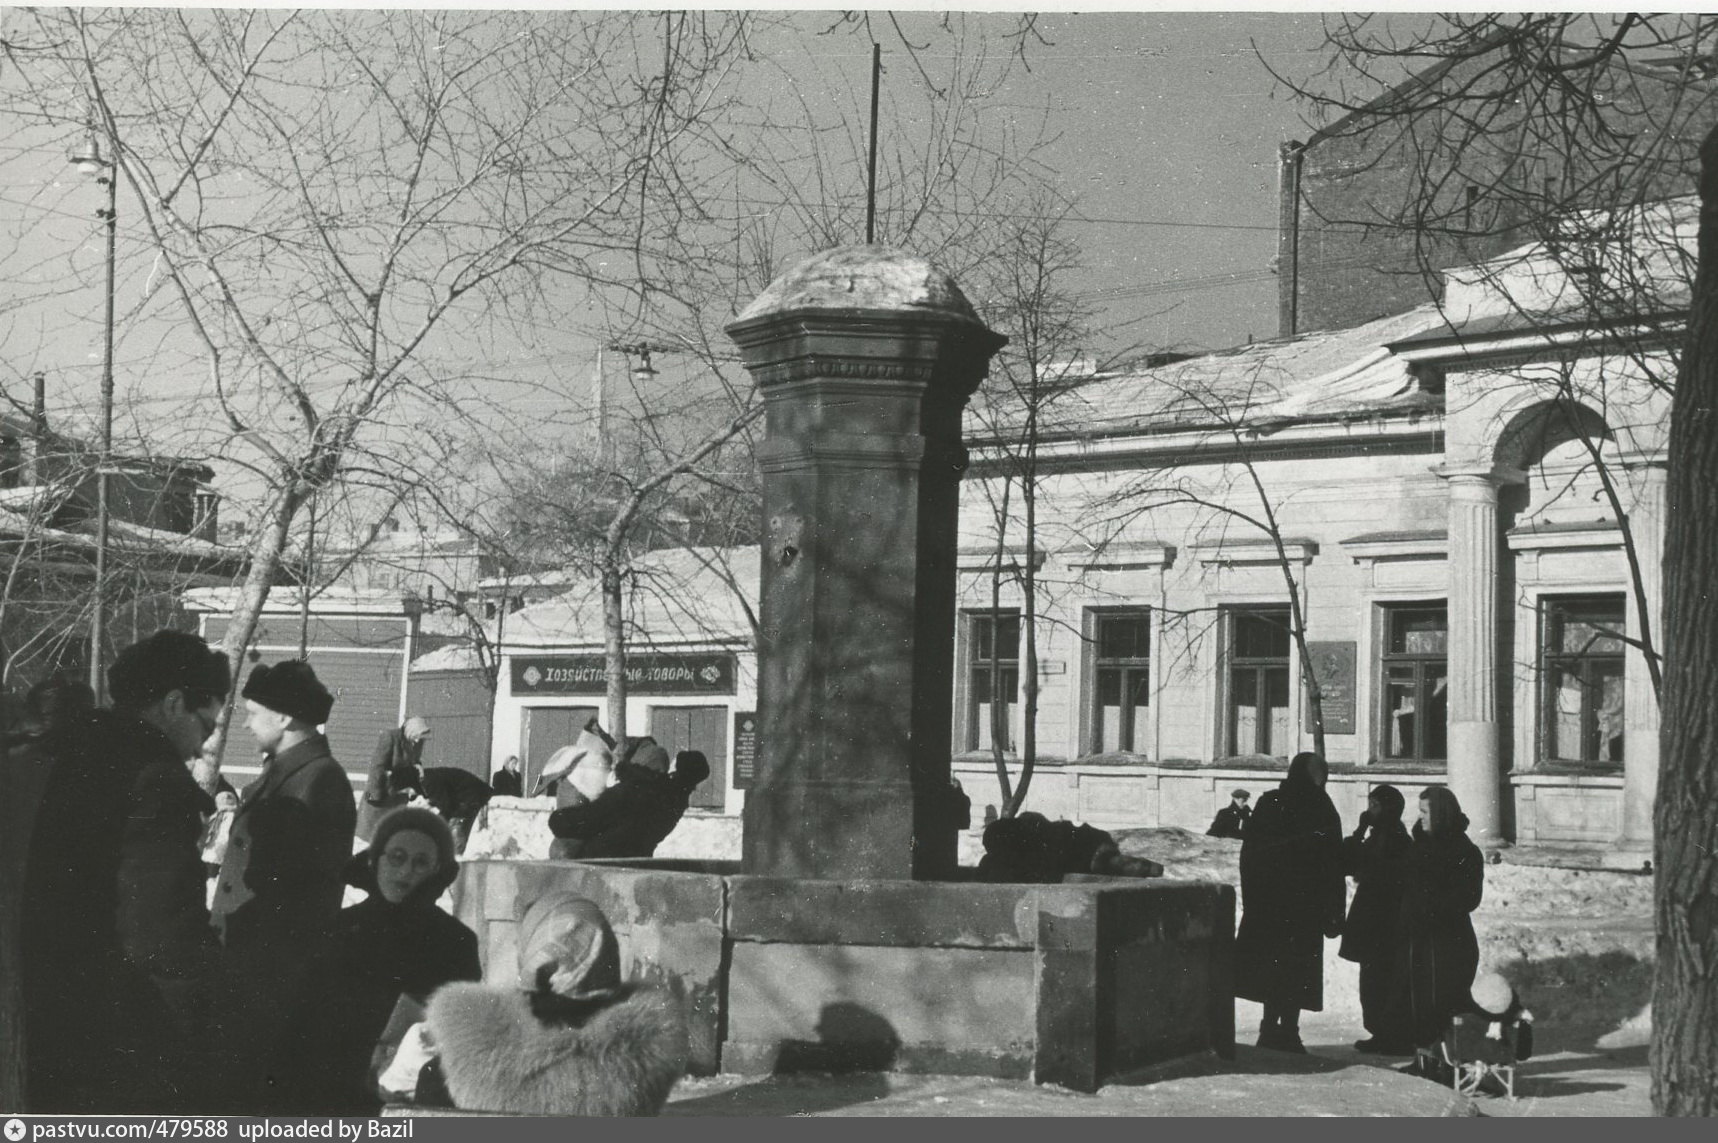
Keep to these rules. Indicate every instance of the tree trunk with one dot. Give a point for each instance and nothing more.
(1028, 629)
(1685, 826)
(614, 645)
(266, 549)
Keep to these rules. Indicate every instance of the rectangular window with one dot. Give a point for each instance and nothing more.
(1120, 679)
(993, 679)
(1414, 683)
(1258, 681)
(1581, 665)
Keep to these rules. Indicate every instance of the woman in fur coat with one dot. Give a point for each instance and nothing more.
(1437, 953)
(575, 1041)
(1292, 893)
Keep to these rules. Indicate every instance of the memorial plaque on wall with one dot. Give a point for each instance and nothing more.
(1333, 667)
(745, 748)
(691, 673)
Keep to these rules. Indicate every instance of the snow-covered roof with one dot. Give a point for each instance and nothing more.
(675, 596)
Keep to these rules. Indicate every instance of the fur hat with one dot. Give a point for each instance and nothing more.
(166, 661)
(290, 688)
(430, 824)
(691, 767)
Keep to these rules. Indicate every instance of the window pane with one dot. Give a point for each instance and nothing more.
(1262, 634)
(1610, 712)
(1109, 709)
(1008, 636)
(1437, 685)
(1401, 712)
(1277, 695)
(1243, 710)
(1587, 627)
(1564, 725)
(1124, 636)
(1419, 631)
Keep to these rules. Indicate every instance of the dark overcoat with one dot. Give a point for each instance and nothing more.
(1292, 893)
(284, 872)
(1439, 954)
(395, 775)
(116, 945)
(381, 952)
(1377, 860)
(629, 820)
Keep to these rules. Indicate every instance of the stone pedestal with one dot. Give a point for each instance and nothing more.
(865, 358)
(1475, 763)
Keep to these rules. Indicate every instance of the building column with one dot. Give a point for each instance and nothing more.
(1475, 761)
(1640, 701)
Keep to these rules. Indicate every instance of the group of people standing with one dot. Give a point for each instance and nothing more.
(139, 995)
(1408, 926)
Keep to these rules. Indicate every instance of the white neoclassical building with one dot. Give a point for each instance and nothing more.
(1470, 498)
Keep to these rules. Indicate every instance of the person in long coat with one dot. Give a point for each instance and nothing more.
(116, 947)
(396, 773)
(395, 943)
(281, 882)
(1438, 954)
(1292, 894)
(1376, 856)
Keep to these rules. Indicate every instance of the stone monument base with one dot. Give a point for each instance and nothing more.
(1071, 984)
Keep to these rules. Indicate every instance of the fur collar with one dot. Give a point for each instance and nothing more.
(497, 1056)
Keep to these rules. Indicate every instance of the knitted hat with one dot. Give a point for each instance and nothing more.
(291, 688)
(166, 661)
(567, 947)
(430, 824)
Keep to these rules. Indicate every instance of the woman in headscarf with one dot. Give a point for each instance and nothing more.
(1376, 856)
(1437, 954)
(574, 1040)
(1292, 893)
(395, 944)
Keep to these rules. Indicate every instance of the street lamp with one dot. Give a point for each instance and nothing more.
(88, 159)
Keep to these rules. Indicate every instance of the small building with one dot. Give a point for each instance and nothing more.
(691, 666)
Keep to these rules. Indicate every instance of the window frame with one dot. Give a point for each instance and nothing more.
(1131, 736)
(1552, 609)
(971, 622)
(1228, 728)
(1386, 613)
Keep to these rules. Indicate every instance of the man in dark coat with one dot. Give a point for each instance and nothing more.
(396, 772)
(117, 952)
(278, 894)
(1376, 855)
(1231, 820)
(458, 796)
(626, 821)
(1292, 895)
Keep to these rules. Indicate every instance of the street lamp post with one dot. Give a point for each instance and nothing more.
(90, 161)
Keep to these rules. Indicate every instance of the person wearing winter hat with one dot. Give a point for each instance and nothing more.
(396, 773)
(279, 890)
(115, 944)
(1437, 954)
(395, 944)
(626, 821)
(577, 1040)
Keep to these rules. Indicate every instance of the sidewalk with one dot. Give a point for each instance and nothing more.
(1332, 1080)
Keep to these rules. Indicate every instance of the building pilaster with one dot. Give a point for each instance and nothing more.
(1475, 761)
(1640, 700)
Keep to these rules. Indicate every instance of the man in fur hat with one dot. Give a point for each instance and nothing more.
(278, 894)
(284, 871)
(116, 943)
